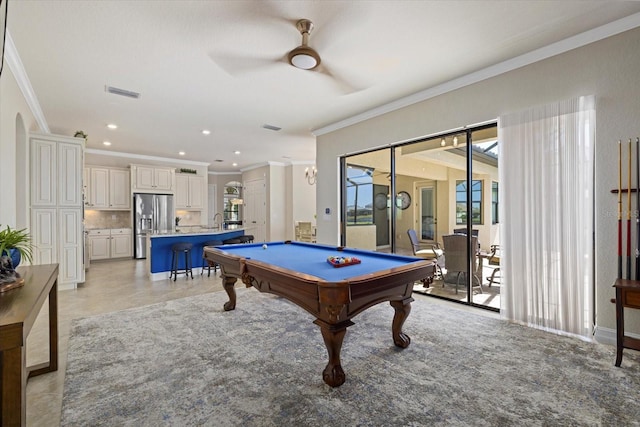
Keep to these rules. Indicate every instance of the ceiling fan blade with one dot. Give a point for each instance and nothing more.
(234, 64)
(345, 85)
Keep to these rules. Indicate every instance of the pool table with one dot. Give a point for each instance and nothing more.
(301, 273)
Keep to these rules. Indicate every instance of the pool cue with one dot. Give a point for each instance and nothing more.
(629, 215)
(619, 209)
(637, 277)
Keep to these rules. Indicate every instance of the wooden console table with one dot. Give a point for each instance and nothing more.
(627, 295)
(19, 309)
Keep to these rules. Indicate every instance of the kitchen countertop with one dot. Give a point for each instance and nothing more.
(194, 231)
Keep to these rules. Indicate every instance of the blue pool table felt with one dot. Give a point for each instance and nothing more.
(311, 259)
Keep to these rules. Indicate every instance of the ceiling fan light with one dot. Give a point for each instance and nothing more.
(306, 62)
(304, 58)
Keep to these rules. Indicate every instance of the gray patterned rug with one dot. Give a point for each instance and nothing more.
(186, 362)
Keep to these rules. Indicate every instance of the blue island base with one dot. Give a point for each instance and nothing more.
(160, 251)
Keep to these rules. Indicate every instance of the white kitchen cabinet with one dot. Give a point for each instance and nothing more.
(189, 191)
(56, 172)
(110, 243)
(56, 204)
(44, 233)
(121, 243)
(151, 179)
(70, 244)
(99, 244)
(109, 188)
(99, 184)
(119, 189)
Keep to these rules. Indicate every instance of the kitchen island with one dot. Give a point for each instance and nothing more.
(159, 249)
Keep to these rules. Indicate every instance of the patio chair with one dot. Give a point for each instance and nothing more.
(455, 258)
(474, 232)
(304, 231)
(494, 259)
(432, 252)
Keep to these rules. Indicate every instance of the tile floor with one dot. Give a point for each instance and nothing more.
(110, 286)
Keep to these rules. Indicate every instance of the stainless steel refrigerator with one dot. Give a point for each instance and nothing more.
(153, 214)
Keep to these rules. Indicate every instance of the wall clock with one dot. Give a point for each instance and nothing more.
(403, 200)
(380, 201)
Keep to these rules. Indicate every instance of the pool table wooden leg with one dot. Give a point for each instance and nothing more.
(228, 282)
(402, 308)
(333, 336)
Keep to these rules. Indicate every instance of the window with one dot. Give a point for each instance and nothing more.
(476, 202)
(494, 202)
(359, 195)
(232, 203)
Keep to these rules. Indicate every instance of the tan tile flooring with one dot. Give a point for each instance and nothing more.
(110, 286)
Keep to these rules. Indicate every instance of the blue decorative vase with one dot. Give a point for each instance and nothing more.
(14, 254)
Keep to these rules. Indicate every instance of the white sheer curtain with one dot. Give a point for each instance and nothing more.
(546, 183)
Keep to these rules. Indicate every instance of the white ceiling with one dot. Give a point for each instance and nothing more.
(215, 65)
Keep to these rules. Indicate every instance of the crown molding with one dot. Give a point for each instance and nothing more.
(301, 162)
(223, 173)
(262, 164)
(17, 69)
(144, 157)
(611, 29)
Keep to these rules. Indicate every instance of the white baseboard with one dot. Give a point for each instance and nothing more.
(67, 286)
(608, 335)
(605, 335)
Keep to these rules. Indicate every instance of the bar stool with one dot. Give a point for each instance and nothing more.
(233, 241)
(247, 238)
(205, 263)
(176, 250)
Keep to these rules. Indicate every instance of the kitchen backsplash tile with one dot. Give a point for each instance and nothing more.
(107, 219)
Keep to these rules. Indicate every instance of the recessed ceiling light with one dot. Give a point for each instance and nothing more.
(286, 157)
(112, 126)
(182, 153)
(106, 142)
(236, 152)
(206, 132)
(234, 164)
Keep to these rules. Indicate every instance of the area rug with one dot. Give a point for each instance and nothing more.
(188, 363)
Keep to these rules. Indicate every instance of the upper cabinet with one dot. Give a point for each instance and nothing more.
(108, 188)
(56, 172)
(152, 179)
(189, 191)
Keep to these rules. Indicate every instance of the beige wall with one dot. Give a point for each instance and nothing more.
(300, 198)
(14, 165)
(607, 68)
(289, 197)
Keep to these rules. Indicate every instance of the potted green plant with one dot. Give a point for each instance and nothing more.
(16, 244)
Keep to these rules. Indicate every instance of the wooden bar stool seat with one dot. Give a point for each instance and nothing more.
(205, 263)
(176, 250)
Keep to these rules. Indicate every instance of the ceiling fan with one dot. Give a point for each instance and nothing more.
(303, 57)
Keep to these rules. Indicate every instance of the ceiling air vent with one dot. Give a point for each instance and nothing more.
(122, 92)
(271, 127)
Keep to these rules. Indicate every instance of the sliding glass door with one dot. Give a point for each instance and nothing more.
(438, 186)
(367, 201)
